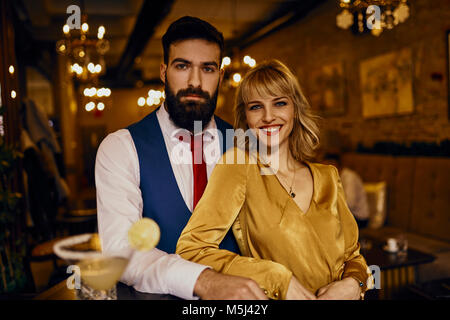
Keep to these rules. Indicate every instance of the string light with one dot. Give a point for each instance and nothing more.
(141, 101)
(154, 98)
(90, 106)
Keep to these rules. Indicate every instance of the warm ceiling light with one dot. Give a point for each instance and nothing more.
(252, 63)
(141, 102)
(66, 29)
(85, 27)
(90, 106)
(13, 94)
(91, 67)
(101, 29)
(107, 92)
(81, 54)
(226, 61)
(247, 59)
(100, 106)
(11, 69)
(98, 68)
(236, 77)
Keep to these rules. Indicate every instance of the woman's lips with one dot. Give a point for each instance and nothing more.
(270, 130)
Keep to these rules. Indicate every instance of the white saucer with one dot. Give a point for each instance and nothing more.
(385, 248)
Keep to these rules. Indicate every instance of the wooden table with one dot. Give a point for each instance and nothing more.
(397, 271)
(124, 292)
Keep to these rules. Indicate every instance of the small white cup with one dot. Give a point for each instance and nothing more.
(392, 244)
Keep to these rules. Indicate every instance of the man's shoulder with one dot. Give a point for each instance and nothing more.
(150, 117)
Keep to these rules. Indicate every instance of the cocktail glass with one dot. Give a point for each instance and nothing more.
(95, 273)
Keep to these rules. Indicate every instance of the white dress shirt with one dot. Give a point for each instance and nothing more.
(120, 204)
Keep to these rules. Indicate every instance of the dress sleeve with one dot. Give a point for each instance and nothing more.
(214, 215)
(355, 265)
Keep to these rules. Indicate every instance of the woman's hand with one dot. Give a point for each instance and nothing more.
(298, 292)
(345, 289)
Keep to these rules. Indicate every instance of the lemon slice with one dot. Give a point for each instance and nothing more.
(144, 234)
(94, 242)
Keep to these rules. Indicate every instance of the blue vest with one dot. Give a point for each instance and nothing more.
(162, 199)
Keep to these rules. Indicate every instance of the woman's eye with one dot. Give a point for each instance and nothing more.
(280, 103)
(254, 107)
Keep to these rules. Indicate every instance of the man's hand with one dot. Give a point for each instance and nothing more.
(298, 292)
(345, 289)
(212, 285)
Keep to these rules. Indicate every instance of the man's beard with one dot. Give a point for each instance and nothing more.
(183, 114)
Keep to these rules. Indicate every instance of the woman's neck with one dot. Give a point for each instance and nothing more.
(285, 161)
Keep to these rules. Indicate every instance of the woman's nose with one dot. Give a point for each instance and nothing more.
(268, 115)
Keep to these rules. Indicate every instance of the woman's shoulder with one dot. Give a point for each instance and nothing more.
(324, 171)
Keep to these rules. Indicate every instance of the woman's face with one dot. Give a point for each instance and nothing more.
(271, 118)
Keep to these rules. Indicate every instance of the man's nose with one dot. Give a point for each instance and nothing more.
(195, 78)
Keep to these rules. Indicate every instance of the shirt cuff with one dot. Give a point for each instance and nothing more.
(181, 282)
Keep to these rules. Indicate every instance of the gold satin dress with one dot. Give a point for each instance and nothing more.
(275, 237)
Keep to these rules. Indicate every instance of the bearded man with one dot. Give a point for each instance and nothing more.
(143, 170)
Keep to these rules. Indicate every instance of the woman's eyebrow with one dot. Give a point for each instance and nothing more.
(279, 98)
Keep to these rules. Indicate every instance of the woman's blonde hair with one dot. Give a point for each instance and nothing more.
(273, 78)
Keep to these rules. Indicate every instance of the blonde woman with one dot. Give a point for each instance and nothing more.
(297, 237)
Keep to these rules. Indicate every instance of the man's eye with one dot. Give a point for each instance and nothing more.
(181, 66)
(209, 69)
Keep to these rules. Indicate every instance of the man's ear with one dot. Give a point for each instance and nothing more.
(162, 72)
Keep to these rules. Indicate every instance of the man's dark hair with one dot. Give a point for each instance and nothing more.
(187, 28)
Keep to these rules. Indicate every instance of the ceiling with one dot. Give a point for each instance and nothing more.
(134, 28)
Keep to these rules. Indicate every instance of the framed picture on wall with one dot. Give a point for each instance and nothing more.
(327, 89)
(387, 84)
(448, 72)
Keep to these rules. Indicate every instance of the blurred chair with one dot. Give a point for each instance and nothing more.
(377, 201)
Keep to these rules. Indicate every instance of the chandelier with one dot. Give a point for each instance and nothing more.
(86, 62)
(373, 15)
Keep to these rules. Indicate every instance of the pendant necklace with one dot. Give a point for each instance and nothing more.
(291, 193)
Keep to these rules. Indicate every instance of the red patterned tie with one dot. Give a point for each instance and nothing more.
(199, 167)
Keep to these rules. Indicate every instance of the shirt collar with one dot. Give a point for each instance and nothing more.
(172, 130)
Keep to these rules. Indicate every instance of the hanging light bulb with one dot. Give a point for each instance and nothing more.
(100, 106)
(237, 77)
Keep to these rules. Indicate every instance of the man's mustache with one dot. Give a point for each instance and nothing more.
(193, 91)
